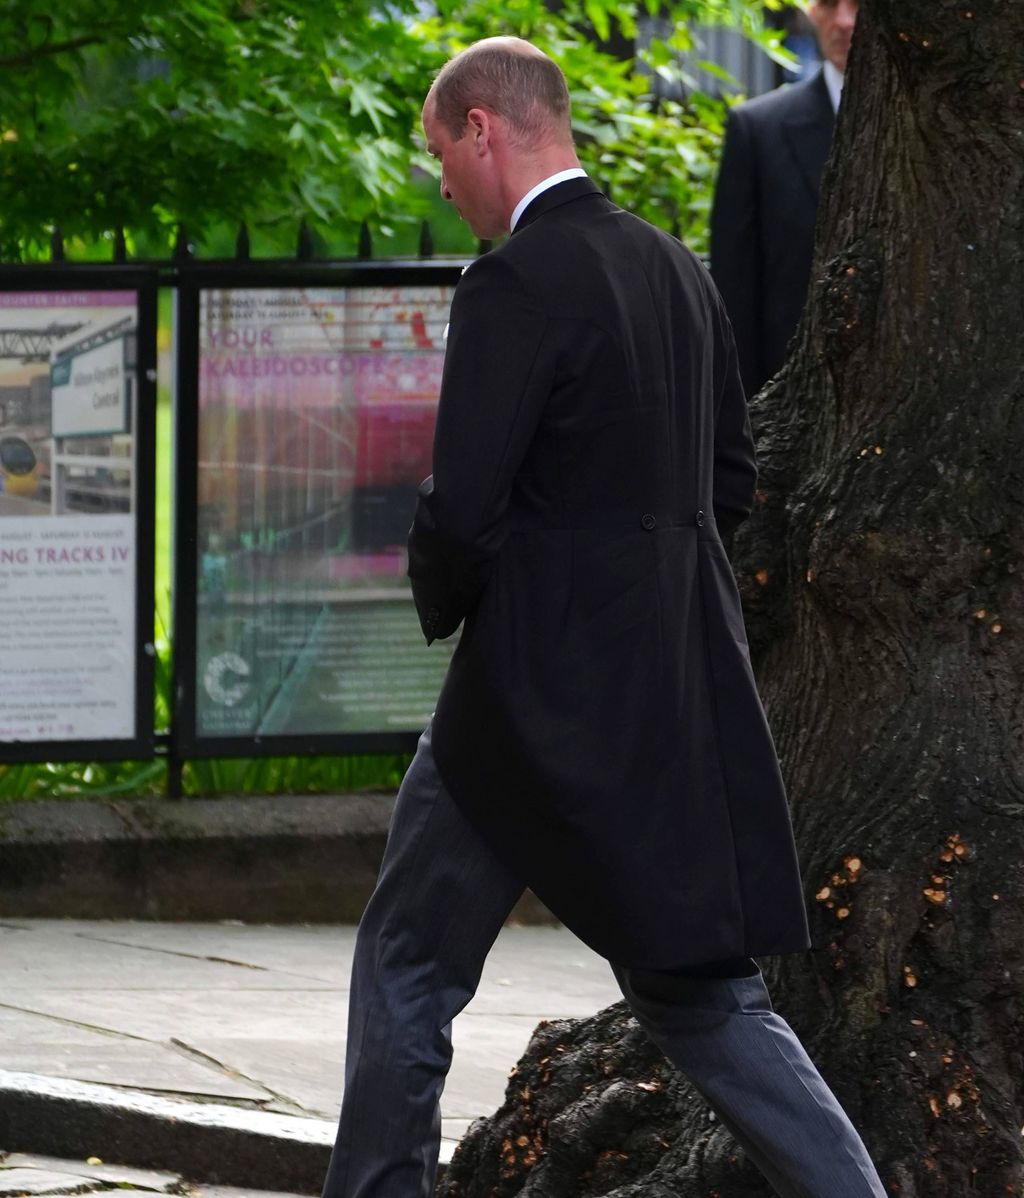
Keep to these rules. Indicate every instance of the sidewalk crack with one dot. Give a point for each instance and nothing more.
(88, 1027)
(173, 952)
(177, 952)
(237, 1075)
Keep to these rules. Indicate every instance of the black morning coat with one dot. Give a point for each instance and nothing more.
(599, 721)
(763, 219)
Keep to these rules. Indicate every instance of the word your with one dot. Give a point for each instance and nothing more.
(247, 337)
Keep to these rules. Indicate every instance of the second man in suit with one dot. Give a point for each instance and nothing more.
(766, 201)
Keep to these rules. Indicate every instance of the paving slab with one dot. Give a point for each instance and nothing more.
(192, 1014)
(38, 1043)
(247, 1015)
(119, 1175)
(187, 1016)
(150, 1067)
(83, 1177)
(320, 952)
(21, 1026)
(302, 1080)
(40, 1181)
(47, 956)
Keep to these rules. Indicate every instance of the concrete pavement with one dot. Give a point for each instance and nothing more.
(24, 1173)
(205, 1048)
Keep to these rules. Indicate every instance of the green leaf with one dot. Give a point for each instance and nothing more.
(598, 17)
(364, 96)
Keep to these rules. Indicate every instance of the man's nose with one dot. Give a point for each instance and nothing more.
(445, 193)
(846, 13)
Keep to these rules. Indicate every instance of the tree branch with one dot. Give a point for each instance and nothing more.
(27, 57)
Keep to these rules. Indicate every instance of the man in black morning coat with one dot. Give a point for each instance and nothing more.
(766, 200)
(598, 737)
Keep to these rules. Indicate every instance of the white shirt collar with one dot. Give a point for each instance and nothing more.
(834, 83)
(575, 172)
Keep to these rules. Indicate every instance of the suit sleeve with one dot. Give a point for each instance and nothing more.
(496, 381)
(735, 477)
(735, 247)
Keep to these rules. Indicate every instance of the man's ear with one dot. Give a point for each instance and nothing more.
(479, 127)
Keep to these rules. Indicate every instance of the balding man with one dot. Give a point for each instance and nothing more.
(766, 199)
(599, 736)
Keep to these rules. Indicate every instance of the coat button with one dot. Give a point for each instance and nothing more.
(699, 519)
(648, 521)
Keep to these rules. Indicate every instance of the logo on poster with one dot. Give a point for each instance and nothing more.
(226, 678)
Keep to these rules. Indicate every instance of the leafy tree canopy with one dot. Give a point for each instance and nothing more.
(141, 114)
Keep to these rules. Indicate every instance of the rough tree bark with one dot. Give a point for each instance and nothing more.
(883, 581)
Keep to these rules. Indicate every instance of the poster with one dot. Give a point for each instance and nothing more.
(316, 421)
(67, 515)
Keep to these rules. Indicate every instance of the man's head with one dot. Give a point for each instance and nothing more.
(497, 118)
(834, 21)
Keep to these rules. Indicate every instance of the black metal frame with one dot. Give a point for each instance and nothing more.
(144, 281)
(193, 277)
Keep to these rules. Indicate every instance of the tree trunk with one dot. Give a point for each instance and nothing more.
(883, 583)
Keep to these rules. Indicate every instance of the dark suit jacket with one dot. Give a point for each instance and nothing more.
(763, 218)
(599, 722)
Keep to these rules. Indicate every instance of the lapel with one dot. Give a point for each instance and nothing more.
(809, 132)
(555, 197)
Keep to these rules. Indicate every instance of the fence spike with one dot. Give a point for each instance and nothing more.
(484, 246)
(242, 243)
(426, 240)
(120, 252)
(677, 229)
(183, 247)
(606, 187)
(365, 250)
(56, 245)
(305, 250)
